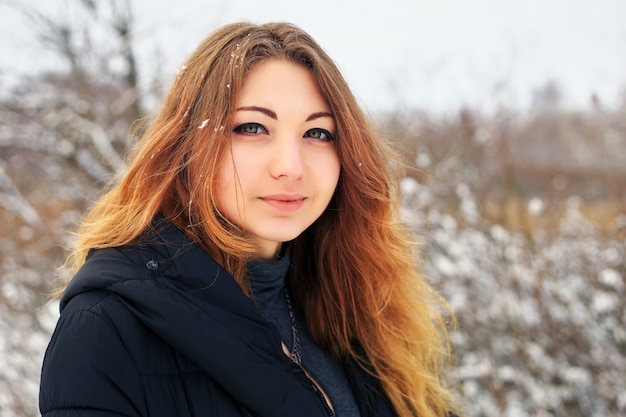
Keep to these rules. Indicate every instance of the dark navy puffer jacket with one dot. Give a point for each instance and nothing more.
(159, 329)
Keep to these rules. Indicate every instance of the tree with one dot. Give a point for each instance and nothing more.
(64, 133)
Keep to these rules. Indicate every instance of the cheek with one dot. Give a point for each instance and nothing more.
(225, 185)
(332, 168)
(236, 177)
(324, 173)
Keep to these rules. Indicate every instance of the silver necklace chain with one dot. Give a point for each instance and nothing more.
(296, 351)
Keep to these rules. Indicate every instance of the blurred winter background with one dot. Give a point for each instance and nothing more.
(511, 117)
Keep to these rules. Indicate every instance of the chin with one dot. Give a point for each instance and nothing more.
(284, 234)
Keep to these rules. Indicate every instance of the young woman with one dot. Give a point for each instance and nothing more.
(251, 261)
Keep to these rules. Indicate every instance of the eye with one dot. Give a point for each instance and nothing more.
(250, 129)
(318, 133)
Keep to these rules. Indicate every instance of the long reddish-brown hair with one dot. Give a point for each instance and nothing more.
(354, 271)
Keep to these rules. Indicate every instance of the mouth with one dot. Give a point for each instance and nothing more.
(284, 202)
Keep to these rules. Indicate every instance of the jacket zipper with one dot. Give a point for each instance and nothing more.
(316, 389)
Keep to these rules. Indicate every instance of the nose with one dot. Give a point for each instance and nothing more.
(286, 160)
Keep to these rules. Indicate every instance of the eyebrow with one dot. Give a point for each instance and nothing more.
(319, 115)
(273, 115)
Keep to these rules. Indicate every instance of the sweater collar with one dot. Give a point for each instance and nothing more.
(267, 277)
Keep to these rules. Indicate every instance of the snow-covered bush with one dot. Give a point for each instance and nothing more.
(541, 317)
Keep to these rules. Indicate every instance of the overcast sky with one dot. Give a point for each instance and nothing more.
(436, 55)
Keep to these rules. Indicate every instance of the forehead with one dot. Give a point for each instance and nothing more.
(278, 82)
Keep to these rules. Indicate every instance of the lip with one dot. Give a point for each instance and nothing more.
(285, 202)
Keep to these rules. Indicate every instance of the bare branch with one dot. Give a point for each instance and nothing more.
(12, 199)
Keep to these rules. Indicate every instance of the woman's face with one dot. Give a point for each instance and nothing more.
(283, 168)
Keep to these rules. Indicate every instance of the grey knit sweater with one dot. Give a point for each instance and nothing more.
(267, 281)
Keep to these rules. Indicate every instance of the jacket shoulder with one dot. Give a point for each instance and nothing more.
(87, 365)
